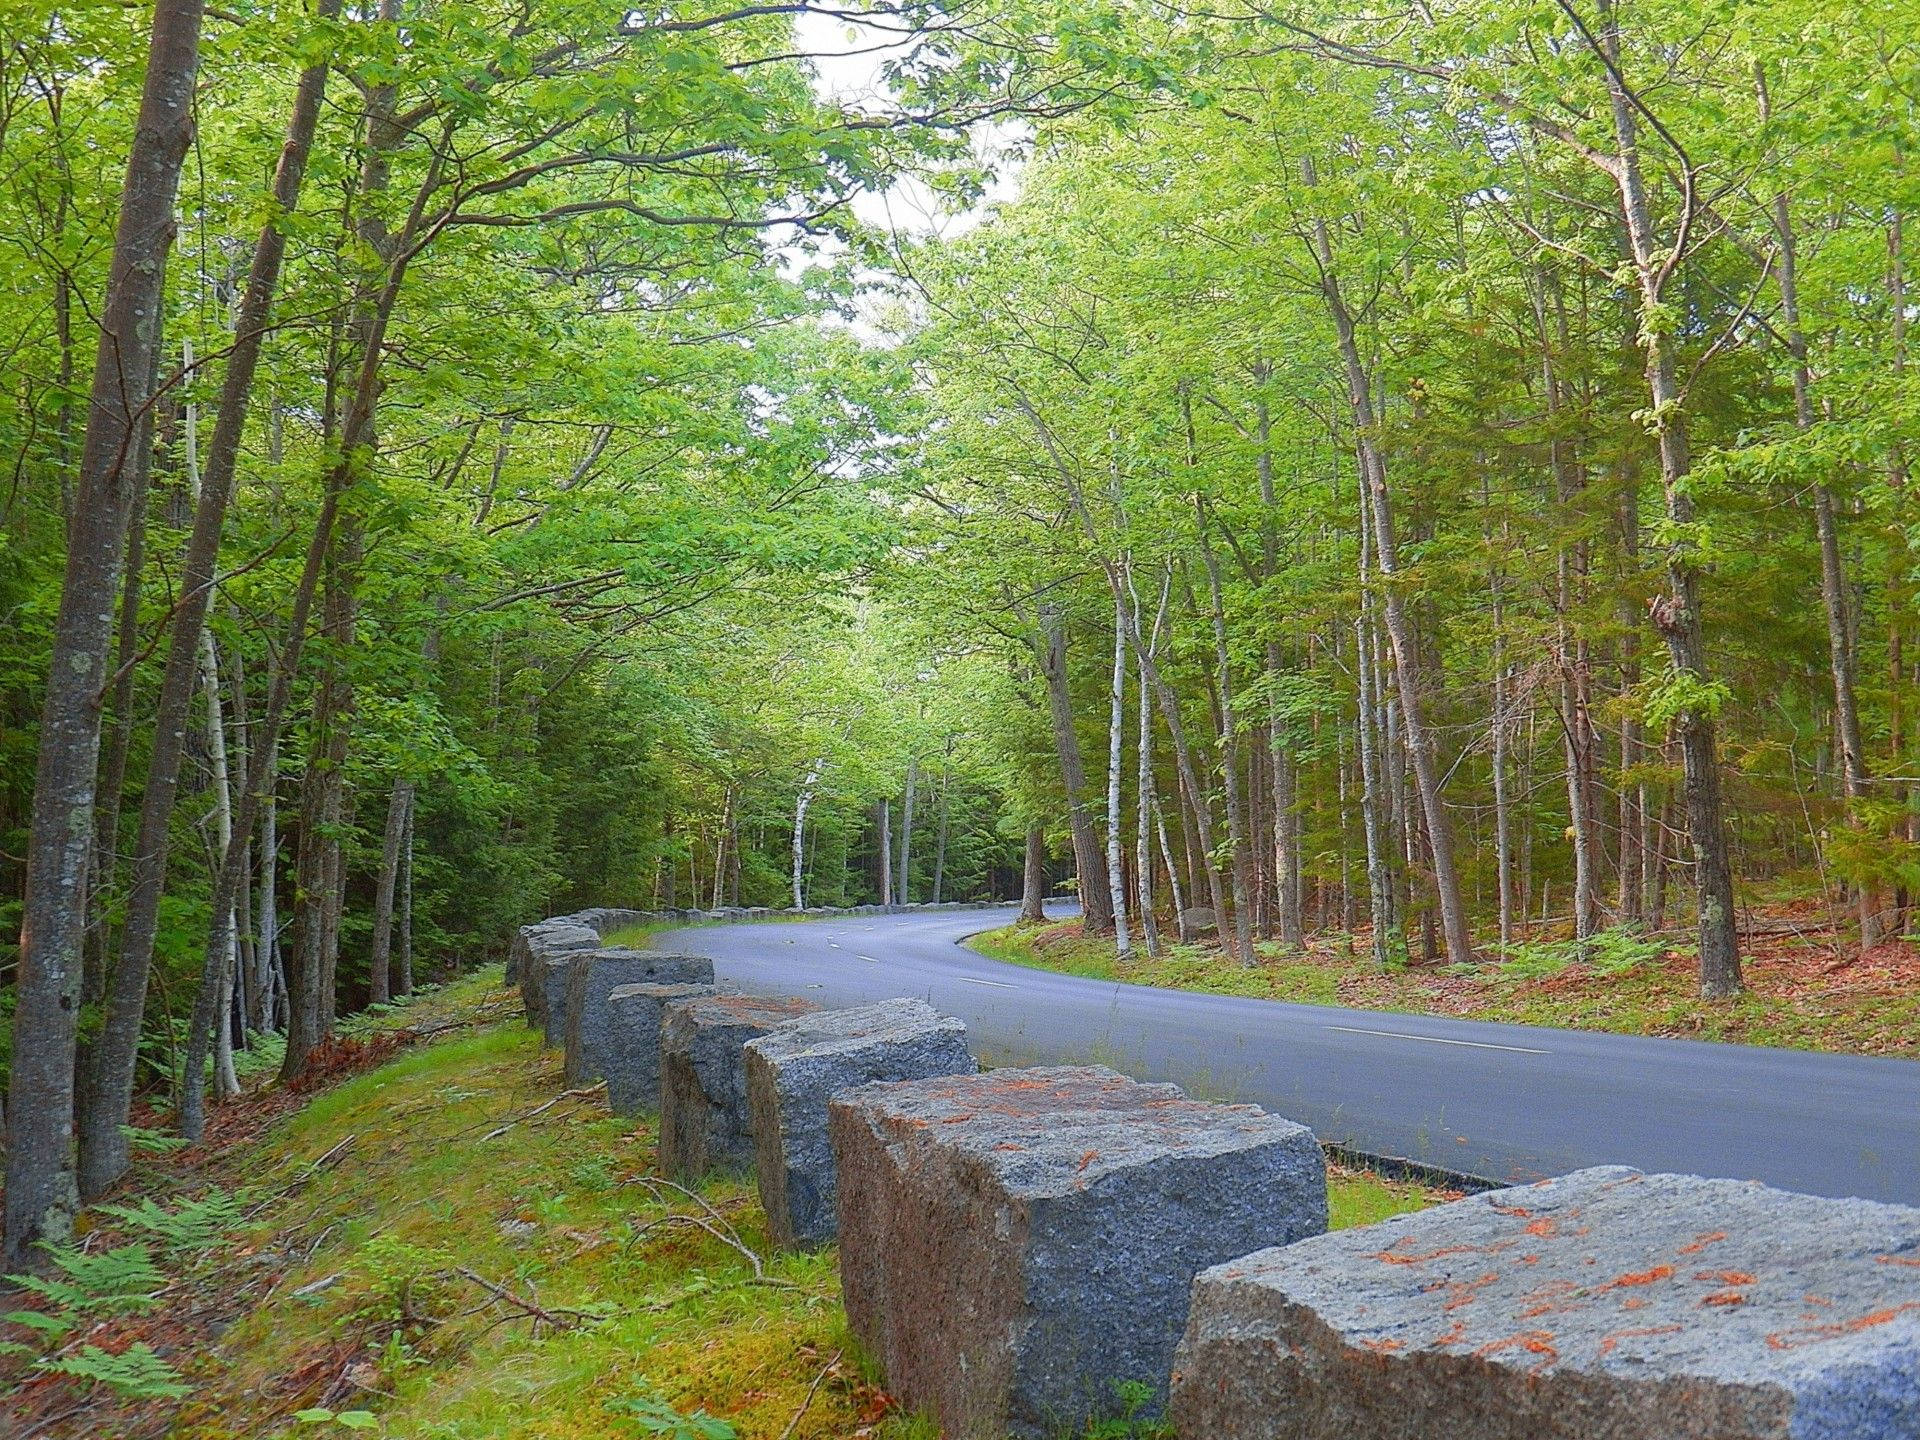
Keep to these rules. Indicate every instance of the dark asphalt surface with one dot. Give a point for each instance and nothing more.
(1503, 1102)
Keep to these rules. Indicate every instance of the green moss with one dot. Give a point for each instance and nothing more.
(399, 1192)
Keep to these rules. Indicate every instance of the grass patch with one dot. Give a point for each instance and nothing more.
(448, 1247)
(1801, 994)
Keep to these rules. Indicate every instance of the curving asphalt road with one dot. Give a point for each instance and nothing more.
(1503, 1102)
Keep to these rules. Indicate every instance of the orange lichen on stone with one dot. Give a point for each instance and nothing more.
(1453, 1334)
(1088, 1159)
(1391, 1255)
(1726, 1297)
(1534, 1342)
(1545, 1227)
(1643, 1277)
(1383, 1346)
(1520, 1211)
(1725, 1277)
(1814, 1334)
(1912, 1260)
(1608, 1343)
(1712, 1237)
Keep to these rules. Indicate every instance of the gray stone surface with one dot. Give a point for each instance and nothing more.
(1602, 1305)
(704, 1124)
(631, 1060)
(1014, 1244)
(542, 991)
(591, 975)
(793, 1071)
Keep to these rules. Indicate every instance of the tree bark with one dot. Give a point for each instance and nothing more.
(904, 889)
(1116, 740)
(109, 1083)
(1677, 615)
(1409, 664)
(40, 1178)
(1033, 877)
(1230, 755)
(801, 805)
(1088, 862)
(380, 953)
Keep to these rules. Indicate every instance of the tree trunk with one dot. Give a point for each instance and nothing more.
(904, 889)
(1230, 754)
(940, 833)
(1033, 877)
(1145, 803)
(801, 805)
(380, 953)
(406, 907)
(1116, 740)
(1089, 865)
(1677, 615)
(1409, 664)
(109, 1084)
(40, 1178)
(1854, 775)
(884, 820)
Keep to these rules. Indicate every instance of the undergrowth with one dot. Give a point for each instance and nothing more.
(1800, 996)
(453, 1247)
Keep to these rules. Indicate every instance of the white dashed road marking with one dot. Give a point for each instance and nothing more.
(997, 984)
(1436, 1040)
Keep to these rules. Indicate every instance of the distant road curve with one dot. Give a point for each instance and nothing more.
(1502, 1102)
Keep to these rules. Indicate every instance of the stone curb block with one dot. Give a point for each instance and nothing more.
(1015, 1244)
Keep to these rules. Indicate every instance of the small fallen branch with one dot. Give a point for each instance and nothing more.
(542, 1108)
(807, 1399)
(712, 1222)
(558, 1317)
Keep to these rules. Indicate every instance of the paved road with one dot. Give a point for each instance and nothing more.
(1505, 1102)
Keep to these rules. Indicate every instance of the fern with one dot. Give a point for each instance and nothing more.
(115, 1282)
(134, 1374)
(156, 1142)
(195, 1227)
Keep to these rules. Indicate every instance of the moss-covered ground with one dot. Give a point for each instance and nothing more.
(450, 1247)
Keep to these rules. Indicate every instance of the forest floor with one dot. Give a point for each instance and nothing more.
(446, 1243)
(1806, 990)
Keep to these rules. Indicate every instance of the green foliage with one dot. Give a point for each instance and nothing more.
(190, 1228)
(651, 1415)
(1133, 1397)
(120, 1281)
(344, 1419)
(136, 1373)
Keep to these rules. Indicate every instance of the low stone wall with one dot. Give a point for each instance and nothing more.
(1016, 1244)
(1606, 1303)
(1013, 1244)
(704, 1124)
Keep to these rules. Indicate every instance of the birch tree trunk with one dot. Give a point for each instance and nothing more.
(1116, 847)
(801, 805)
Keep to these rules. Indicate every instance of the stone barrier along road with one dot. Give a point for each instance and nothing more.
(1014, 1243)
(1602, 1305)
(543, 974)
(594, 974)
(793, 1071)
(632, 1059)
(704, 1124)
